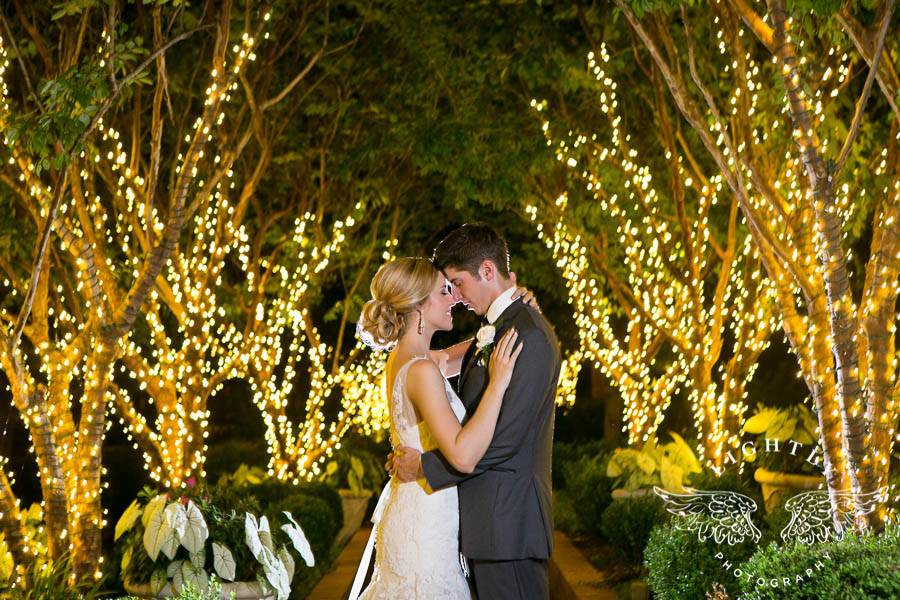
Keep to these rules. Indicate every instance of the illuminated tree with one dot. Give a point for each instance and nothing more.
(80, 302)
(800, 195)
(204, 322)
(684, 277)
(345, 384)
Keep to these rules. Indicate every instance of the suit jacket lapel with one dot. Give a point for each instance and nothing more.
(468, 361)
(472, 354)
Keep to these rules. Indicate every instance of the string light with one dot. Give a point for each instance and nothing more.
(69, 342)
(666, 285)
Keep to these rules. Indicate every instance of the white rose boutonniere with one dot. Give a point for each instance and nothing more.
(485, 336)
(483, 341)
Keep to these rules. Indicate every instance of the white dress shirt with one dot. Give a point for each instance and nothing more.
(500, 304)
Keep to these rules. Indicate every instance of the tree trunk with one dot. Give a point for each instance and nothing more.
(841, 322)
(11, 524)
(51, 476)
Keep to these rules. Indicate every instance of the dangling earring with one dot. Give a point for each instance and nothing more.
(421, 324)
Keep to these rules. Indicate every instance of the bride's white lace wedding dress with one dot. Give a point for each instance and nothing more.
(417, 530)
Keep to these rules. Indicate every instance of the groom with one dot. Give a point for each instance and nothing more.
(506, 520)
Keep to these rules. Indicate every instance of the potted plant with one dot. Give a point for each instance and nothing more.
(786, 470)
(357, 475)
(169, 541)
(636, 471)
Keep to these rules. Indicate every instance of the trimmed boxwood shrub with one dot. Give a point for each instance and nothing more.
(567, 453)
(854, 568)
(627, 523)
(226, 456)
(316, 506)
(680, 566)
(318, 520)
(589, 490)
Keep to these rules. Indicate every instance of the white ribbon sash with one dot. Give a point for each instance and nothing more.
(366, 559)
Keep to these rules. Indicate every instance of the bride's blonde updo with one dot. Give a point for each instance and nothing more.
(398, 288)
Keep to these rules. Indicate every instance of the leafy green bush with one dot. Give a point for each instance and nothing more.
(567, 453)
(627, 523)
(770, 523)
(315, 504)
(50, 579)
(729, 481)
(680, 566)
(565, 518)
(356, 468)
(669, 465)
(225, 457)
(850, 569)
(321, 522)
(794, 423)
(588, 492)
(190, 592)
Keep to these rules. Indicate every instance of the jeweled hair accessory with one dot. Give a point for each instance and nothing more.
(367, 339)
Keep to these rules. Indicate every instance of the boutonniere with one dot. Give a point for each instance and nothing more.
(484, 342)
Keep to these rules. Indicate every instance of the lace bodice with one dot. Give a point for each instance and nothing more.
(405, 429)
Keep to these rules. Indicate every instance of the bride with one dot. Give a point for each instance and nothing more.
(417, 550)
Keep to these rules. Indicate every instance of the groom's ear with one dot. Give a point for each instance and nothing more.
(487, 270)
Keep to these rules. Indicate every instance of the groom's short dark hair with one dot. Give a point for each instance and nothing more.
(466, 247)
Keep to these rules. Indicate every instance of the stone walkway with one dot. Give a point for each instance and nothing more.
(572, 577)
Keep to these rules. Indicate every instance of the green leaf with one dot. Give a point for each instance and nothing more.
(126, 557)
(671, 475)
(173, 569)
(298, 539)
(158, 581)
(160, 536)
(128, 519)
(761, 421)
(251, 535)
(276, 573)
(197, 577)
(353, 481)
(155, 505)
(357, 467)
(287, 561)
(195, 529)
(265, 534)
(223, 562)
(198, 558)
(681, 453)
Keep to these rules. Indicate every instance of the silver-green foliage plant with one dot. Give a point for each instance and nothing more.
(795, 423)
(171, 525)
(796, 430)
(667, 465)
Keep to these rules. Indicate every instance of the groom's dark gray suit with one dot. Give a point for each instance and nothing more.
(506, 519)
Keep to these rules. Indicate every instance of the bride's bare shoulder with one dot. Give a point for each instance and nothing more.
(423, 374)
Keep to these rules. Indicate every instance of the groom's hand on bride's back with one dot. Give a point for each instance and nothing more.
(405, 464)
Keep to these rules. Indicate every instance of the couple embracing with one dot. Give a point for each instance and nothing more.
(470, 486)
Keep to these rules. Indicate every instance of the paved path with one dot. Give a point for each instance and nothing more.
(572, 577)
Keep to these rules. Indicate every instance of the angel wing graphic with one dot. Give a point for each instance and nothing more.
(724, 516)
(811, 515)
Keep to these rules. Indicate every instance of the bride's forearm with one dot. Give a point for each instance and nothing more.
(450, 359)
(473, 439)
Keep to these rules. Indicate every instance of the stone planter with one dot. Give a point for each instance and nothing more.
(354, 505)
(242, 590)
(777, 487)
